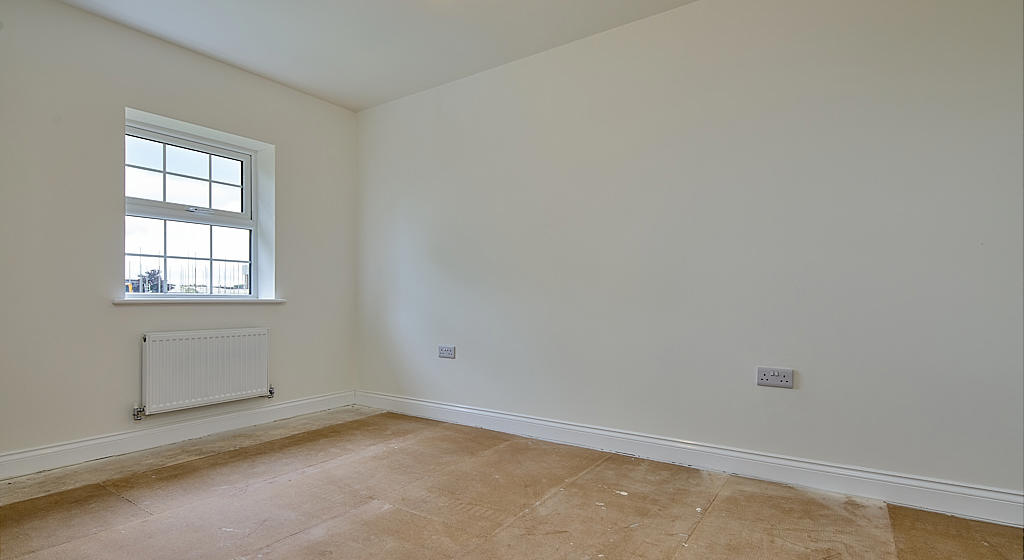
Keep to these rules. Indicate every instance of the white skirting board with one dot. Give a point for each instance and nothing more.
(28, 461)
(963, 500)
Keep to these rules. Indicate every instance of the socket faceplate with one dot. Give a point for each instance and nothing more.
(446, 352)
(775, 377)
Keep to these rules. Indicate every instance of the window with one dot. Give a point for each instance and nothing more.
(189, 224)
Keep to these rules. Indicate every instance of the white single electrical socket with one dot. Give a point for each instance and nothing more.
(446, 352)
(775, 377)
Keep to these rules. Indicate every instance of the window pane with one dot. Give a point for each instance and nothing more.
(143, 184)
(230, 243)
(192, 192)
(227, 170)
(143, 235)
(188, 162)
(230, 278)
(145, 153)
(143, 274)
(188, 240)
(227, 198)
(188, 276)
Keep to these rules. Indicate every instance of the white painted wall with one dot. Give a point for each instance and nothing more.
(617, 231)
(69, 359)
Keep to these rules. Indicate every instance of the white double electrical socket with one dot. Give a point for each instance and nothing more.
(775, 377)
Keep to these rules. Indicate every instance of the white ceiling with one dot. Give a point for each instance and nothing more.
(360, 53)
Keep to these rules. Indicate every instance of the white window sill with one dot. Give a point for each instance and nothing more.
(204, 300)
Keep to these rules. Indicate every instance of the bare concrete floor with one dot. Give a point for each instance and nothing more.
(355, 483)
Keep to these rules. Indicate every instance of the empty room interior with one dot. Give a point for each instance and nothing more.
(494, 279)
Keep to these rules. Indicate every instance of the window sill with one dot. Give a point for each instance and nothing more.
(201, 300)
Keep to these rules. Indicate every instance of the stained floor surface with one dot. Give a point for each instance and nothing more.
(356, 483)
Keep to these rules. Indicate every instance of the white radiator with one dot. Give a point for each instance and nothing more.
(196, 368)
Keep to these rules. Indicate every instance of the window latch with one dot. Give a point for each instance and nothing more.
(196, 210)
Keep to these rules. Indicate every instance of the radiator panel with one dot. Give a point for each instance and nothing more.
(195, 368)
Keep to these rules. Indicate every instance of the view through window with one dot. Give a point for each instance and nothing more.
(188, 218)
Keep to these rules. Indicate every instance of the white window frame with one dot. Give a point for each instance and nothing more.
(247, 219)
